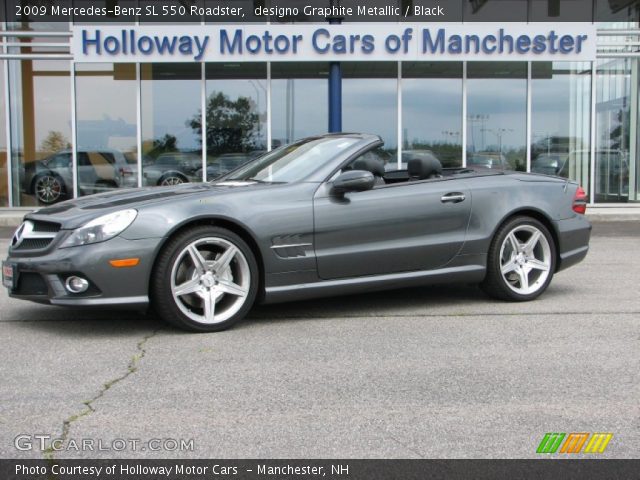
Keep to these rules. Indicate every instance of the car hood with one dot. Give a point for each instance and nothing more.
(74, 213)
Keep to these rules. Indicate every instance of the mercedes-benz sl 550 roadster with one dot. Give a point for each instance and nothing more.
(323, 216)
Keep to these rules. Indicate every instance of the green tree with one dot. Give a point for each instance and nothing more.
(54, 142)
(231, 125)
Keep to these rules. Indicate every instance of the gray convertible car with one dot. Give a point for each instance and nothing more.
(319, 217)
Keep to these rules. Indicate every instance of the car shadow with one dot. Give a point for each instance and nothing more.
(373, 303)
(92, 323)
(400, 302)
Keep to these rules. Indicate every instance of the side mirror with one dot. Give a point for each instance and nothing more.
(353, 181)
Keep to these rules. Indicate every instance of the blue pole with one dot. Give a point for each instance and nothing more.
(335, 97)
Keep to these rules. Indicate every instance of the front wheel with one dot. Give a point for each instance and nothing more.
(205, 280)
(521, 260)
(171, 179)
(49, 188)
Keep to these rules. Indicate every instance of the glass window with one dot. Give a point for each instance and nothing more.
(171, 141)
(495, 11)
(617, 13)
(236, 115)
(40, 107)
(295, 162)
(4, 188)
(452, 10)
(432, 110)
(616, 162)
(561, 10)
(299, 101)
(560, 119)
(181, 11)
(106, 127)
(128, 5)
(248, 10)
(35, 20)
(370, 100)
(497, 115)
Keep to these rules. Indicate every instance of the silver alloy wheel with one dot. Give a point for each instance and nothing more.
(48, 188)
(210, 280)
(173, 180)
(525, 259)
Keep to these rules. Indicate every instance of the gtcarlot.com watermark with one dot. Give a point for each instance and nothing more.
(47, 443)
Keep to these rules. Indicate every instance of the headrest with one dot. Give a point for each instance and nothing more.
(424, 166)
(370, 164)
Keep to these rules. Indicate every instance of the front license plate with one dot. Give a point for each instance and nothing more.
(8, 275)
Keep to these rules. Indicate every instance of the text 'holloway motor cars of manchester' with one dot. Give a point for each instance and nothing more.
(322, 216)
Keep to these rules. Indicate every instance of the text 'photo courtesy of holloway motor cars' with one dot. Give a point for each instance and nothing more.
(323, 216)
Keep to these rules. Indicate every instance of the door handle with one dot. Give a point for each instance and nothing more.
(454, 197)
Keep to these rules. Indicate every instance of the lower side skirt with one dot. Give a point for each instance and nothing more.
(346, 286)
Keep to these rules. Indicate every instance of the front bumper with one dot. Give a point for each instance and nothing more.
(41, 278)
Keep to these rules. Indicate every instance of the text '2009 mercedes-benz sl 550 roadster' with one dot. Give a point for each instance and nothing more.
(318, 217)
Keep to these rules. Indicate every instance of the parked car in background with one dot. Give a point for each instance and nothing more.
(391, 163)
(227, 162)
(173, 169)
(549, 163)
(51, 180)
(493, 160)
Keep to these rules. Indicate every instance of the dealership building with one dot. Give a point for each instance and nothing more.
(87, 107)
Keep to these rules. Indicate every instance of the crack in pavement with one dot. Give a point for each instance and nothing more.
(132, 367)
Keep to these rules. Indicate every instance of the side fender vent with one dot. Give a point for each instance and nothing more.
(291, 246)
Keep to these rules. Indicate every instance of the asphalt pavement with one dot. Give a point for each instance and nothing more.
(434, 372)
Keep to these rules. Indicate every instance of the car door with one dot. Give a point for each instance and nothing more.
(401, 227)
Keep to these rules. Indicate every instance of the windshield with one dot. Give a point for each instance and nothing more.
(293, 162)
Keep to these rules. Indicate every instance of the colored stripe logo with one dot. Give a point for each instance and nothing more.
(573, 442)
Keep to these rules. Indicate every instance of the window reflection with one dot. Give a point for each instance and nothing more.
(171, 144)
(432, 110)
(617, 13)
(236, 115)
(560, 113)
(494, 11)
(616, 169)
(370, 100)
(560, 10)
(299, 101)
(40, 112)
(4, 189)
(496, 115)
(106, 127)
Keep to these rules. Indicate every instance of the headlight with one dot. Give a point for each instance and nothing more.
(101, 229)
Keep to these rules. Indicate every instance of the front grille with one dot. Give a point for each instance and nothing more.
(34, 244)
(34, 235)
(50, 227)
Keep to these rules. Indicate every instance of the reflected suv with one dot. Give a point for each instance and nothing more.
(51, 179)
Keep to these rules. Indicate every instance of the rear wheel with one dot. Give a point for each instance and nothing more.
(205, 280)
(521, 260)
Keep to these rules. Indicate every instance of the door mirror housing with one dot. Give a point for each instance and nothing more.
(353, 181)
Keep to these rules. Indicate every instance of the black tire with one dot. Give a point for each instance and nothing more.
(509, 286)
(180, 310)
(172, 179)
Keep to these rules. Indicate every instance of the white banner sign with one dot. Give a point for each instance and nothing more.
(319, 42)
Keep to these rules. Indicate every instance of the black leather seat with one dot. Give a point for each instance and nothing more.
(373, 165)
(423, 167)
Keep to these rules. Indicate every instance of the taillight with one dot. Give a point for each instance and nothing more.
(580, 201)
(125, 171)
